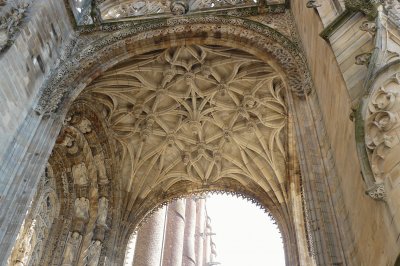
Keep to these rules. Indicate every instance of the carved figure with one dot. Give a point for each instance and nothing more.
(80, 175)
(178, 8)
(94, 253)
(71, 248)
(85, 126)
(82, 208)
(102, 212)
(101, 169)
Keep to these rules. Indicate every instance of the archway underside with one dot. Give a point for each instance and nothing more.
(166, 124)
(194, 117)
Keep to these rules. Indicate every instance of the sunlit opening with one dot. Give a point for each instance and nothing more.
(210, 230)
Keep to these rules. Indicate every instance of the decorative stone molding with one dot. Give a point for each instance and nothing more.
(377, 192)
(34, 233)
(147, 9)
(371, 7)
(382, 135)
(11, 17)
(368, 7)
(62, 81)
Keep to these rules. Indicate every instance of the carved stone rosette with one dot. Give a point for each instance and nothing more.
(382, 136)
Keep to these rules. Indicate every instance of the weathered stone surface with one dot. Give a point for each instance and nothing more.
(147, 111)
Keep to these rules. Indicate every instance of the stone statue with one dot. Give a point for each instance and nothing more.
(71, 248)
(79, 172)
(82, 208)
(102, 212)
(101, 169)
(85, 126)
(94, 253)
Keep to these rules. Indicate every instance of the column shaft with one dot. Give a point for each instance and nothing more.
(173, 246)
(189, 255)
(148, 250)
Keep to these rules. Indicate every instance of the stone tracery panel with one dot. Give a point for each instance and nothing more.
(382, 140)
(35, 232)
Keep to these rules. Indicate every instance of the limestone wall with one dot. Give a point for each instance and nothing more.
(24, 66)
(366, 217)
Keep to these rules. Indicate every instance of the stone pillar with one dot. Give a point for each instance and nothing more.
(200, 230)
(207, 241)
(174, 232)
(148, 250)
(189, 255)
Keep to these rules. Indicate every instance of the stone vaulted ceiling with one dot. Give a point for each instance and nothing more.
(192, 118)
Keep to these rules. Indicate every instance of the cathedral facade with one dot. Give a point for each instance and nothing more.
(111, 109)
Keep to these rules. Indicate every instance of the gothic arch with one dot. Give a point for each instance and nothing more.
(72, 76)
(267, 45)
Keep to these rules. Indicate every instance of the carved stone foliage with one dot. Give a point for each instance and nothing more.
(11, 16)
(286, 54)
(382, 134)
(123, 9)
(196, 114)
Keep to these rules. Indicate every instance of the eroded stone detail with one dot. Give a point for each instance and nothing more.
(382, 134)
(377, 192)
(363, 59)
(34, 233)
(138, 8)
(11, 17)
(368, 26)
(71, 248)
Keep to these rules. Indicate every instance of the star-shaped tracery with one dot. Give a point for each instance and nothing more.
(198, 114)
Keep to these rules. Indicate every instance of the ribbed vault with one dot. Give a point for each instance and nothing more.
(179, 107)
(194, 118)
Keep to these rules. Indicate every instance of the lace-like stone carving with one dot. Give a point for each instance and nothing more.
(148, 8)
(382, 134)
(11, 17)
(265, 39)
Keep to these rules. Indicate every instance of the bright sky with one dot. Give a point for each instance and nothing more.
(245, 235)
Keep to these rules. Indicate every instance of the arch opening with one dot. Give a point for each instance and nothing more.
(207, 229)
(177, 117)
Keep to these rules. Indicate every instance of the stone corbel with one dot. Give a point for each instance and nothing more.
(377, 192)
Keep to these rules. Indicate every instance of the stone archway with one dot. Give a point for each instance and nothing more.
(273, 55)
